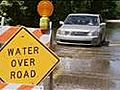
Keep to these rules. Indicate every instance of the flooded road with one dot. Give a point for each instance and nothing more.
(90, 68)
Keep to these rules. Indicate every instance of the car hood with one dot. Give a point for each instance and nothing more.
(84, 28)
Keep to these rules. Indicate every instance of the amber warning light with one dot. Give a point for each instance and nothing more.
(45, 8)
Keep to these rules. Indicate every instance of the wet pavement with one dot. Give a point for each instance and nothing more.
(87, 67)
(90, 68)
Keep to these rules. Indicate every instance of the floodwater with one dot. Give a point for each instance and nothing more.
(90, 68)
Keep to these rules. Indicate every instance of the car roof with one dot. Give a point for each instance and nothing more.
(77, 14)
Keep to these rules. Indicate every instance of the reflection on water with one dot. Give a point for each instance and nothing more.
(84, 65)
(116, 85)
(92, 68)
(76, 83)
(114, 66)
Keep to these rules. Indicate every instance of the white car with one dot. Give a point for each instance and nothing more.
(82, 29)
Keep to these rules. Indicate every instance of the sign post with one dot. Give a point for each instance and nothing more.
(45, 9)
(51, 74)
(25, 60)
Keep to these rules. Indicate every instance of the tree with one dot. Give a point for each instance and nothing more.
(104, 7)
(11, 10)
(118, 9)
(31, 17)
(25, 12)
(20, 12)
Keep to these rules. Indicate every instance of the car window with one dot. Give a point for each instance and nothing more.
(82, 20)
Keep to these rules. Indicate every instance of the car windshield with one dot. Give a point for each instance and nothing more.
(82, 20)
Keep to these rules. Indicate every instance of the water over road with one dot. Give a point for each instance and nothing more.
(90, 68)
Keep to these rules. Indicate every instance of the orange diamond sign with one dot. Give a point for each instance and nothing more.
(25, 60)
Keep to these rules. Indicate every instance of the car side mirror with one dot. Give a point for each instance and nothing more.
(61, 22)
(102, 24)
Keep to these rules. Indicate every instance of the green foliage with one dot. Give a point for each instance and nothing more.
(24, 12)
(118, 9)
(20, 12)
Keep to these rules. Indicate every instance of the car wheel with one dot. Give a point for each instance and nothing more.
(97, 42)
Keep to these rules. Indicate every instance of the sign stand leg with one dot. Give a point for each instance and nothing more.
(51, 81)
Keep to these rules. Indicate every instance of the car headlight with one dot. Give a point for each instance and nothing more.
(63, 32)
(94, 33)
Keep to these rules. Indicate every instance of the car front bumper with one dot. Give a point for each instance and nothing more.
(77, 40)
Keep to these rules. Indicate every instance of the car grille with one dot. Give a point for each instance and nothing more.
(76, 41)
(79, 33)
